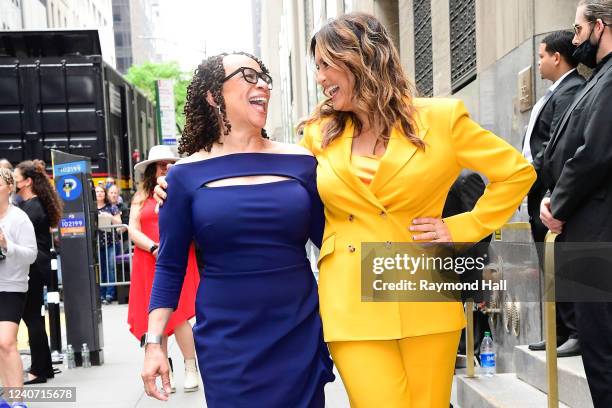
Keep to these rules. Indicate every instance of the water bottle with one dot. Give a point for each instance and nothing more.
(70, 357)
(487, 355)
(85, 356)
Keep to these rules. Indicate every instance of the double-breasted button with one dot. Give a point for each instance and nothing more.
(351, 248)
(351, 217)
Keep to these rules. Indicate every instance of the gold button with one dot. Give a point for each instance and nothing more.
(351, 217)
(351, 248)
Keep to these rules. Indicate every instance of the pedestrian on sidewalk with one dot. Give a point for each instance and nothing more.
(17, 252)
(106, 245)
(251, 205)
(43, 206)
(144, 232)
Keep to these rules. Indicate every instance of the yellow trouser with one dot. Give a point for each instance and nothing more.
(413, 372)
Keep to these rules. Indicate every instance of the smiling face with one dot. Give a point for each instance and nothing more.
(337, 82)
(246, 104)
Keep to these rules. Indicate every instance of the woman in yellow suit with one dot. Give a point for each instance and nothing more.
(386, 162)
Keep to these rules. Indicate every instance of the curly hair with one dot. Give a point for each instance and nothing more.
(361, 43)
(42, 187)
(203, 122)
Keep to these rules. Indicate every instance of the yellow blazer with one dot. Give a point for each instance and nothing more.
(408, 184)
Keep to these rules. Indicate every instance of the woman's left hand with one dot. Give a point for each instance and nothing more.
(432, 230)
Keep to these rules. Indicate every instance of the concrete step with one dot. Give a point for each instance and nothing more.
(573, 387)
(499, 391)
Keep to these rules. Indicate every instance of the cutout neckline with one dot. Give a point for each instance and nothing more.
(243, 154)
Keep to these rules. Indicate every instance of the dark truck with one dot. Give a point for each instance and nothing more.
(56, 92)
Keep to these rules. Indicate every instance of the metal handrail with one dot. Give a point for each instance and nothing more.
(469, 338)
(550, 321)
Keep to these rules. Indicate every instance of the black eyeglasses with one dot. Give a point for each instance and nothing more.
(251, 76)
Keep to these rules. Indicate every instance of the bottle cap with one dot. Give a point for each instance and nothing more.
(487, 333)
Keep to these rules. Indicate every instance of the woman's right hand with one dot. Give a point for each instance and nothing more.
(159, 192)
(155, 365)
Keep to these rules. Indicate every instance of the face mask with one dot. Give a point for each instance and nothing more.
(587, 52)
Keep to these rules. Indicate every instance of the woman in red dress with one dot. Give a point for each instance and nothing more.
(144, 232)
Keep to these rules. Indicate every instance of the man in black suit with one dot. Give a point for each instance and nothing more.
(578, 170)
(559, 66)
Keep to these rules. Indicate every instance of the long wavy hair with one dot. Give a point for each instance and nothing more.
(204, 123)
(361, 43)
(42, 187)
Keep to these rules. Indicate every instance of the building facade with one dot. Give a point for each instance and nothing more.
(23, 14)
(62, 14)
(135, 32)
(482, 51)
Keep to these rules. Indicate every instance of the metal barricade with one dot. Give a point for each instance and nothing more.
(114, 255)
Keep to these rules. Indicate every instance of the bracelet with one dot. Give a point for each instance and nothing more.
(153, 248)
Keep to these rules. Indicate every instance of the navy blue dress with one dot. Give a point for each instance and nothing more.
(258, 332)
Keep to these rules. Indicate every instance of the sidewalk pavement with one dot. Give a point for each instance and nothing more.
(117, 383)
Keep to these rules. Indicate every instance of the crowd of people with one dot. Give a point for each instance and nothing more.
(266, 332)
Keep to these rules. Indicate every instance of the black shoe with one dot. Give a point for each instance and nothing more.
(568, 349)
(539, 346)
(36, 380)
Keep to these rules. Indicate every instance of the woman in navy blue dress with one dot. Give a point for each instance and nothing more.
(250, 205)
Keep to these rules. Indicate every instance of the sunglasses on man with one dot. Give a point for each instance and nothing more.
(578, 27)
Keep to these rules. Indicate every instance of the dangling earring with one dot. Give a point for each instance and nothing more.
(219, 109)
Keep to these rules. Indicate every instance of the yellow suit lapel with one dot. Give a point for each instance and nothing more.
(339, 155)
(399, 151)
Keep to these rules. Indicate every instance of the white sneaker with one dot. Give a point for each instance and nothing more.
(172, 384)
(192, 382)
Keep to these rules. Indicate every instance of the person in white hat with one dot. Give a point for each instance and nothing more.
(144, 232)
